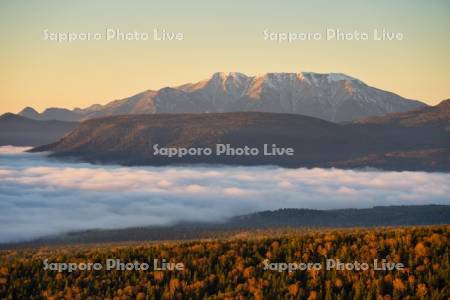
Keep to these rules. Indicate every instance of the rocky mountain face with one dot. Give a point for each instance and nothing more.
(391, 144)
(332, 97)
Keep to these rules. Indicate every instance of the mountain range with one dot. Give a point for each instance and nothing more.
(333, 97)
(415, 140)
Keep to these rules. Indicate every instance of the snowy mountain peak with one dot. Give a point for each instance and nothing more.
(318, 78)
(311, 78)
(222, 76)
(334, 97)
(332, 77)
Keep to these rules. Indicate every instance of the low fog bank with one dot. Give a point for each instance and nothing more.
(40, 197)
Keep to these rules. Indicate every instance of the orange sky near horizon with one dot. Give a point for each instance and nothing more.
(223, 36)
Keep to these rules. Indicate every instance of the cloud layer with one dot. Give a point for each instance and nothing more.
(39, 196)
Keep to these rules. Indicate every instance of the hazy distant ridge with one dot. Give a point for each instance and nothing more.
(282, 218)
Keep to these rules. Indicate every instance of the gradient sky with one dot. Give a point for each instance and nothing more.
(219, 36)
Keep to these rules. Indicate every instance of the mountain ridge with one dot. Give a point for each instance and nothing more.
(286, 218)
(392, 145)
(335, 97)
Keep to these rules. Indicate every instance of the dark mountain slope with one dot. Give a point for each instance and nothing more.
(20, 131)
(431, 116)
(389, 144)
(428, 126)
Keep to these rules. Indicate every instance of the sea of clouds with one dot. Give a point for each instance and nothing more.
(40, 196)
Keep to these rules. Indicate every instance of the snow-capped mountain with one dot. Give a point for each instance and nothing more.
(334, 97)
